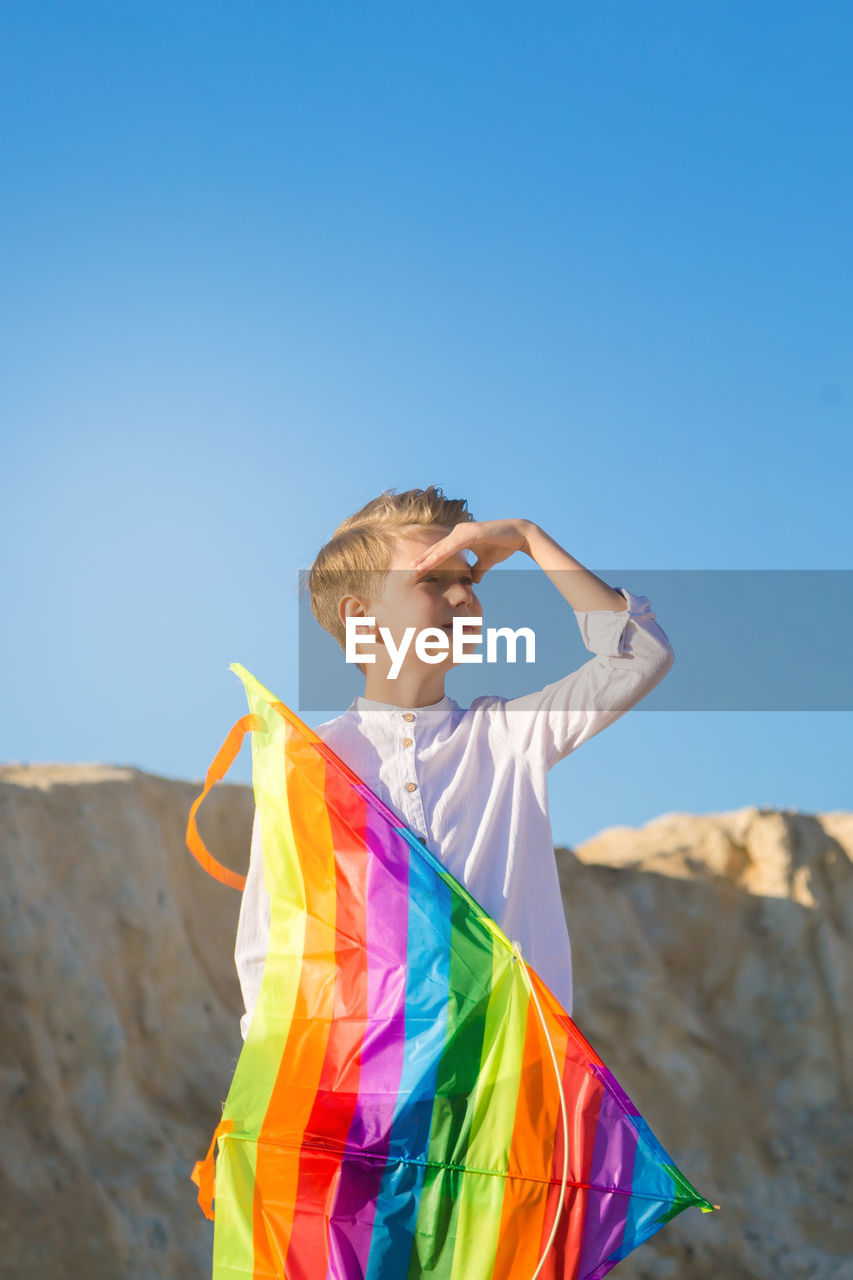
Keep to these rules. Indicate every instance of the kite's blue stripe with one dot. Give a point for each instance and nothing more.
(427, 976)
(656, 1188)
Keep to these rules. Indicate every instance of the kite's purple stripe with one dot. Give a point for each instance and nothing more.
(386, 930)
(612, 1083)
(428, 965)
(613, 1159)
(386, 927)
(600, 1272)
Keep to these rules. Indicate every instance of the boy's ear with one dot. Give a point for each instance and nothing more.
(352, 606)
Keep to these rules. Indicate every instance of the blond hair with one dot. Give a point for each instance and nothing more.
(360, 551)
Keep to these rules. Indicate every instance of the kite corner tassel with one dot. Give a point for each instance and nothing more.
(203, 1171)
(222, 762)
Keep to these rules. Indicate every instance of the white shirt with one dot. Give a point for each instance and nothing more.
(480, 799)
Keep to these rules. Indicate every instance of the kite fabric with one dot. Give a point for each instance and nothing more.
(411, 1100)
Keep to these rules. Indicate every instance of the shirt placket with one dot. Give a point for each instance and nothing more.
(412, 800)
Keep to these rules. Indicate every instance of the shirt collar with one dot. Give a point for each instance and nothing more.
(435, 711)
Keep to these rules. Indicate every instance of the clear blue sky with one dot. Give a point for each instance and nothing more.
(584, 263)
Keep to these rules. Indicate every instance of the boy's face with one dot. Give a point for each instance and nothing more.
(419, 598)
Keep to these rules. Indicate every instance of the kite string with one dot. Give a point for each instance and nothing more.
(516, 954)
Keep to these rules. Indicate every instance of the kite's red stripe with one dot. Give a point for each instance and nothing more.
(337, 1090)
(582, 1092)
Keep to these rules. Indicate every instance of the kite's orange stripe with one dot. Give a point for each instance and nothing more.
(305, 1049)
(528, 1213)
(524, 1201)
(558, 1263)
(222, 762)
(320, 1176)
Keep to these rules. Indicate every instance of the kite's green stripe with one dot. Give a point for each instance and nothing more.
(233, 1243)
(468, 998)
(495, 1101)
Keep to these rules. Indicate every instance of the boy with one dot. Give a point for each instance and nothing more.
(470, 782)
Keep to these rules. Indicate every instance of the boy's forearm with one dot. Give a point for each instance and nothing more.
(576, 584)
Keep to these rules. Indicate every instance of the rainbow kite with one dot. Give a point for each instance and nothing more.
(410, 1100)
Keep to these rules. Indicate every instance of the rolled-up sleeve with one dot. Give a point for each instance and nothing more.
(631, 655)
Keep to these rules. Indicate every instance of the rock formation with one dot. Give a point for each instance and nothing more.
(713, 975)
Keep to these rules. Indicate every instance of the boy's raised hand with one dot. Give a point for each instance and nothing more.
(491, 541)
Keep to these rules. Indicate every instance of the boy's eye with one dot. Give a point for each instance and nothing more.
(433, 578)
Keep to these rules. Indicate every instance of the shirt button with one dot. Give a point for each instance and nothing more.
(408, 715)
(411, 786)
(407, 742)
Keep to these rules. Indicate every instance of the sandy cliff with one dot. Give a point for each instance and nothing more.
(713, 974)
(713, 969)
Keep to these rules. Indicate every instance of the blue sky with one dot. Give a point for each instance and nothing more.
(585, 264)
